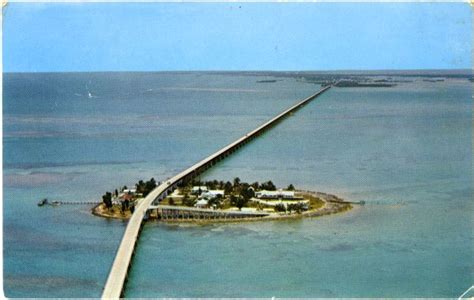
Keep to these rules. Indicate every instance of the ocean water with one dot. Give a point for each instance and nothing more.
(405, 150)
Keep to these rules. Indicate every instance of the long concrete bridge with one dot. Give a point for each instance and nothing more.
(116, 280)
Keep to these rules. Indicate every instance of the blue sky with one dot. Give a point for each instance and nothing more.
(235, 36)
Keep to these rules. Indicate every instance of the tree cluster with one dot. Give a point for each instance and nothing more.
(297, 207)
(269, 186)
(107, 199)
(247, 192)
(213, 184)
(236, 185)
(188, 201)
(280, 207)
(125, 205)
(146, 187)
(238, 201)
(217, 201)
(240, 192)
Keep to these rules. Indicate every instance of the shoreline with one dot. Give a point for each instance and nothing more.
(280, 217)
(332, 205)
(99, 211)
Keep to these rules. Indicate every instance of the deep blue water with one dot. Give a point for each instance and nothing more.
(405, 150)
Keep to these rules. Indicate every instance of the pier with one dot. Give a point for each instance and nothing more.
(117, 278)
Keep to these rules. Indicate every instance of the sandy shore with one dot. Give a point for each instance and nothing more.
(101, 211)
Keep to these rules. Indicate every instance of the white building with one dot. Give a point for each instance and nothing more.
(201, 203)
(280, 194)
(212, 194)
(197, 189)
(267, 194)
(287, 194)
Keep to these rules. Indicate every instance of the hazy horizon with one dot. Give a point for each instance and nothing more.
(375, 71)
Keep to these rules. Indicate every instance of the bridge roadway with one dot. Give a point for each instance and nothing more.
(114, 286)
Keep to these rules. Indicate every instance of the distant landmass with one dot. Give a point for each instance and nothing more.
(267, 81)
(352, 83)
(456, 73)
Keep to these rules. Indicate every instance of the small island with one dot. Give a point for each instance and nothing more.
(219, 201)
(267, 81)
(355, 83)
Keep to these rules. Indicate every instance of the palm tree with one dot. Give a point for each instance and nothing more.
(236, 181)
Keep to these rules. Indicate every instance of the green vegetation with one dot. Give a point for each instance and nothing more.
(237, 193)
(188, 201)
(126, 200)
(125, 205)
(145, 187)
(297, 207)
(280, 208)
(225, 195)
(269, 186)
(107, 199)
(314, 202)
(238, 201)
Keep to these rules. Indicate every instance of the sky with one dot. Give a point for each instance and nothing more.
(68, 37)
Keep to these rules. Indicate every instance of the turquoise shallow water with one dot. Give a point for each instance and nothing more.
(406, 151)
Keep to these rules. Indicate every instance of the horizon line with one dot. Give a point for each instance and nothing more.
(249, 71)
